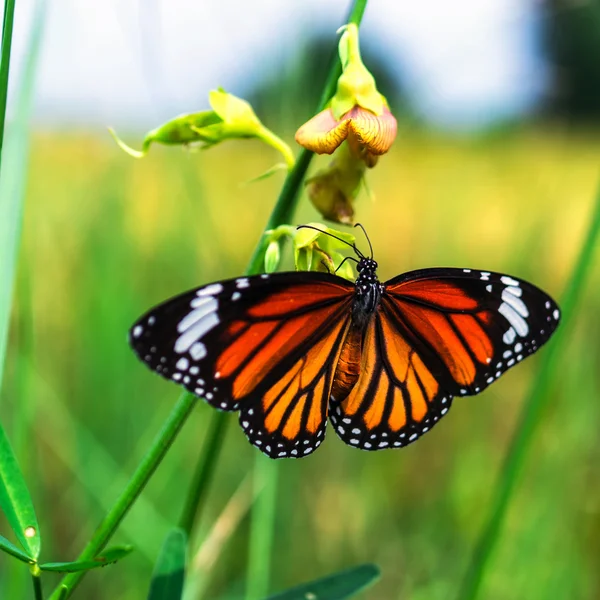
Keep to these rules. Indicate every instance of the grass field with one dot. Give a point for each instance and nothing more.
(107, 236)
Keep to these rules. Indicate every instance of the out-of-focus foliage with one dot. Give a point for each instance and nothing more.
(106, 237)
(572, 44)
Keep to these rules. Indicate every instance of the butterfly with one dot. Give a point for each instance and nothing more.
(381, 361)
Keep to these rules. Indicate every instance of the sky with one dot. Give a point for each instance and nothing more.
(136, 63)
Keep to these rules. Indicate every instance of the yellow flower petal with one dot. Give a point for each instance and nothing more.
(375, 134)
(322, 134)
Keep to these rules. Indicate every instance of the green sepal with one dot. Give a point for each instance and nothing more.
(356, 86)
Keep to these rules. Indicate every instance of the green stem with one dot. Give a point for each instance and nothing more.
(532, 411)
(262, 527)
(269, 138)
(7, 31)
(37, 583)
(204, 471)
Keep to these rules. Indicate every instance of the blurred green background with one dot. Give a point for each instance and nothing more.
(107, 236)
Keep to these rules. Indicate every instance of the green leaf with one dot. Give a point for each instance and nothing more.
(15, 500)
(333, 587)
(10, 548)
(169, 571)
(110, 556)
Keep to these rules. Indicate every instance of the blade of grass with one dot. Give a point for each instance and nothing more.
(13, 164)
(169, 572)
(216, 539)
(334, 587)
(262, 528)
(15, 551)
(15, 500)
(531, 415)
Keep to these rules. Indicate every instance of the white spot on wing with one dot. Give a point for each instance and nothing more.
(202, 307)
(137, 331)
(509, 336)
(182, 364)
(198, 351)
(515, 302)
(210, 290)
(515, 291)
(242, 282)
(236, 296)
(506, 280)
(514, 318)
(556, 314)
(195, 332)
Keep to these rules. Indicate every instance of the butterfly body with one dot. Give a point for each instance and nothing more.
(382, 362)
(367, 292)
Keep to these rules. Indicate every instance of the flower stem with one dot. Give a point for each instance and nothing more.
(538, 398)
(37, 583)
(269, 138)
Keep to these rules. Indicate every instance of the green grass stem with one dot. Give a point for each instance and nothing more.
(262, 527)
(13, 164)
(531, 415)
(204, 471)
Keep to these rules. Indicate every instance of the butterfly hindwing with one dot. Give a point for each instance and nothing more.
(265, 345)
(396, 397)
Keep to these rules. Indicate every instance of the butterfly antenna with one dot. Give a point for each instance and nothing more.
(335, 237)
(366, 236)
(345, 259)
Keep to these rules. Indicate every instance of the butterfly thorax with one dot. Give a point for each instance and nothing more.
(367, 292)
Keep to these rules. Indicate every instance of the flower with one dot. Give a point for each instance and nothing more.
(230, 118)
(357, 112)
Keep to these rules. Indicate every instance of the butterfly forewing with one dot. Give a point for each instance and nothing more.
(264, 345)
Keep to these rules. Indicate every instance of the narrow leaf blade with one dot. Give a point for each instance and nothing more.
(15, 500)
(10, 548)
(333, 587)
(109, 557)
(169, 571)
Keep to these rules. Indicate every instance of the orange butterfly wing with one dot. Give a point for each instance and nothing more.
(265, 345)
